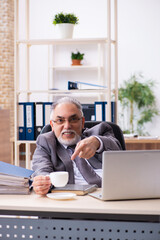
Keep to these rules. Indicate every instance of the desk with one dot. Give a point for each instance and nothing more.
(81, 218)
(142, 144)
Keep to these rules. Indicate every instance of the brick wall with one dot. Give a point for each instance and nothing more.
(7, 58)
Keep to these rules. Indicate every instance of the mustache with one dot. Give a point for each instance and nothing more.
(68, 142)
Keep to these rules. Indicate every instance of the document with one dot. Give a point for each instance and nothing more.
(4, 189)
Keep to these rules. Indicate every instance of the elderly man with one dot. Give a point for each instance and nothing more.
(69, 147)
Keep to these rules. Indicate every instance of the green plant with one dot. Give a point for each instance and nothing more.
(139, 97)
(65, 18)
(77, 55)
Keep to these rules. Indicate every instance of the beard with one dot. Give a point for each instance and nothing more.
(69, 142)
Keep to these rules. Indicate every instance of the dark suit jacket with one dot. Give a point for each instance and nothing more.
(51, 156)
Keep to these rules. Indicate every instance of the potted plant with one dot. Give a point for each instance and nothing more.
(77, 58)
(65, 22)
(138, 97)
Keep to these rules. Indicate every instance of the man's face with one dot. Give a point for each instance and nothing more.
(69, 123)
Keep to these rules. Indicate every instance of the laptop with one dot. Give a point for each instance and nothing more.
(130, 175)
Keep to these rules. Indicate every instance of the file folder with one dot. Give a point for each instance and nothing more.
(98, 111)
(85, 85)
(104, 111)
(88, 111)
(30, 117)
(113, 112)
(9, 169)
(46, 112)
(72, 85)
(22, 120)
(38, 118)
(101, 111)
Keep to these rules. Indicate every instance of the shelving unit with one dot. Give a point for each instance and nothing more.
(103, 68)
(97, 67)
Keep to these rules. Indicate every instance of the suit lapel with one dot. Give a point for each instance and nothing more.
(65, 158)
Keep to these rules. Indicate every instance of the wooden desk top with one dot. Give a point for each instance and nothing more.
(81, 204)
(145, 140)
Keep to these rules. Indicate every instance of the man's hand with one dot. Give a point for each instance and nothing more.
(86, 148)
(41, 184)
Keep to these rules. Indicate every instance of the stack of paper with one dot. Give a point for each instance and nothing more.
(14, 179)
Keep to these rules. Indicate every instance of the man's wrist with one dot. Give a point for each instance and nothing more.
(101, 145)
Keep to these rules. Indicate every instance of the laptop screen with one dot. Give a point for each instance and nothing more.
(131, 174)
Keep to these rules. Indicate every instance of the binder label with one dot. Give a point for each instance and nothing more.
(29, 116)
(21, 115)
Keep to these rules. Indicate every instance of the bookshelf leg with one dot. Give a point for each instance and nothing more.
(28, 155)
(17, 154)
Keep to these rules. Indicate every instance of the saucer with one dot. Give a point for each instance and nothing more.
(61, 196)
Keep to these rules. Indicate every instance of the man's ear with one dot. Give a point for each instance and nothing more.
(83, 121)
(52, 126)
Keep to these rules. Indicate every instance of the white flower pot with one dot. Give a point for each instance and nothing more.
(65, 30)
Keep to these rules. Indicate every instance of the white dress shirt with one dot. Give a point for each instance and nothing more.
(79, 179)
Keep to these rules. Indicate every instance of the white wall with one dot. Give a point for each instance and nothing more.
(138, 36)
(139, 44)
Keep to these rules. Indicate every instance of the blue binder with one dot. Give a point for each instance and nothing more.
(22, 120)
(72, 85)
(113, 112)
(101, 111)
(46, 112)
(6, 168)
(98, 111)
(104, 111)
(88, 111)
(113, 116)
(30, 117)
(38, 118)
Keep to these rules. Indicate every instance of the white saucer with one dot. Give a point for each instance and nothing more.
(61, 196)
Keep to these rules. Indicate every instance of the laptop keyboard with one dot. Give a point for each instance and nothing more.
(96, 195)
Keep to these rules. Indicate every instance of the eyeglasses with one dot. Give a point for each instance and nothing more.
(71, 120)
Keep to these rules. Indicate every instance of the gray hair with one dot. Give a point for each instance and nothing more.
(66, 100)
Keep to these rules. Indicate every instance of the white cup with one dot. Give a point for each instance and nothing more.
(59, 179)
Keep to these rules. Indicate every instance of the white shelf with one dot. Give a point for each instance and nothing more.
(75, 68)
(64, 41)
(25, 141)
(81, 91)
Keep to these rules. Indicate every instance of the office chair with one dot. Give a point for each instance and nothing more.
(88, 124)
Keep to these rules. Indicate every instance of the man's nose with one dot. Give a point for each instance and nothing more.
(67, 124)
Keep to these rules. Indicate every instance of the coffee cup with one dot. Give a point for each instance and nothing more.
(59, 179)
